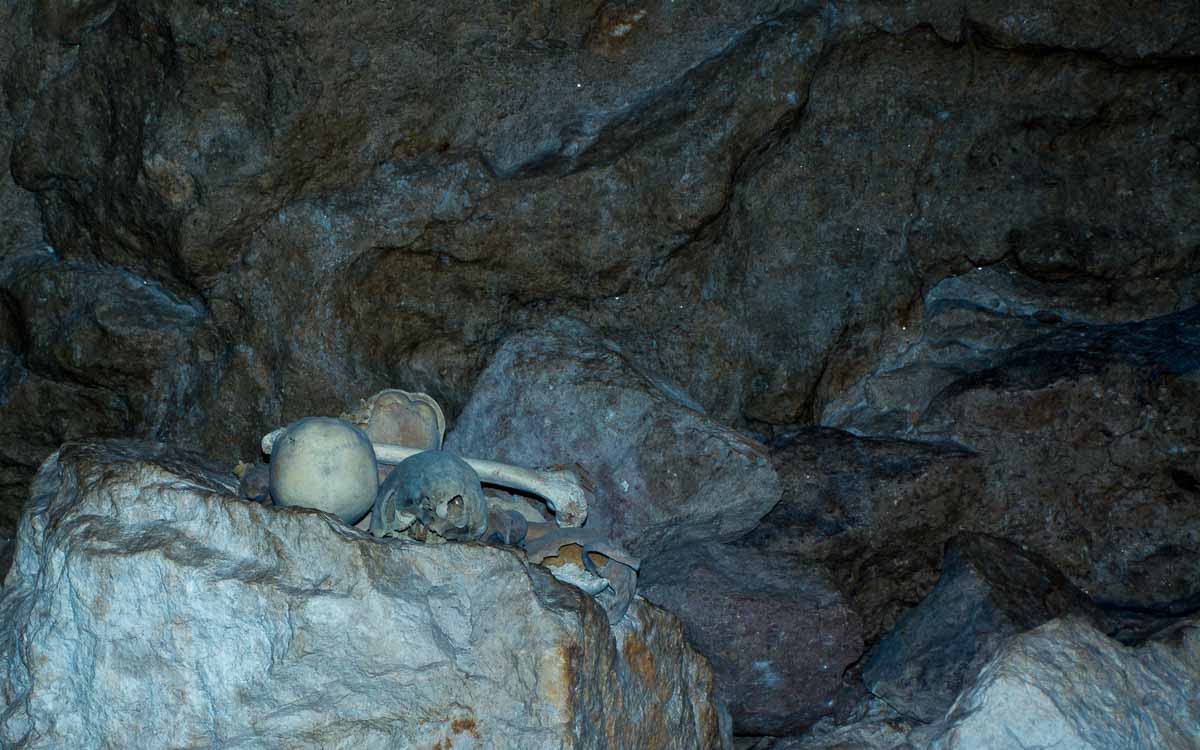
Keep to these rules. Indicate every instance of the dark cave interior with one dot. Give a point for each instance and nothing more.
(874, 326)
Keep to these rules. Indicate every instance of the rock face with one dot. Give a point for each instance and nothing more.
(1080, 446)
(665, 475)
(1089, 440)
(764, 201)
(989, 591)
(969, 225)
(778, 634)
(1067, 685)
(874, 513)
(26, 413)
(147, 607)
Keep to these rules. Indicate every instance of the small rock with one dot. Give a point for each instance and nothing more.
(879, 728)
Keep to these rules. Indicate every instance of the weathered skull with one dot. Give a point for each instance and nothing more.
(435, 488)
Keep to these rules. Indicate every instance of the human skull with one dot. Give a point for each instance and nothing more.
(437, 489)
(327, 464)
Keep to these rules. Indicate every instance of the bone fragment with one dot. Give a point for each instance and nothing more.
(566, 491)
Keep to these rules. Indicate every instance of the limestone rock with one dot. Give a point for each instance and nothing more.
(778, 634)
(665, 474)
(989, 591)
(149, 607)
(1066, 685)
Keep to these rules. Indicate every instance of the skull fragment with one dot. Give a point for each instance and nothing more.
(435, 491)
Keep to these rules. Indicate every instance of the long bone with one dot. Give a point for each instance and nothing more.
(567, 492)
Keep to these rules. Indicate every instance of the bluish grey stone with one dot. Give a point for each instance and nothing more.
(665, 474)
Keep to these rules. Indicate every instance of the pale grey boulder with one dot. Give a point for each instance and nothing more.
(1063, 685)
(148, 607)
(665, 474)
(1067, 686)
(989, 590)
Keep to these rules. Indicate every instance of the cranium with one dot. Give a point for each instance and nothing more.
(437, 489)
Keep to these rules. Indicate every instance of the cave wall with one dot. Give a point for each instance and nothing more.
(223, 216)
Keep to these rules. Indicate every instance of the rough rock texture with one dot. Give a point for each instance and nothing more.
(1062, 685)
(989, 591)
(1081, 446)
(147, 607)
(878, 728)
(1090, 440)
(778, 634)
(665, 475)
(798, 212)
(969, 156)
(874, 513)
(1066, 685)
(22, 426)
(754, 198)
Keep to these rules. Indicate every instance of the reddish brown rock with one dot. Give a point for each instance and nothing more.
(1088, 442)
(873, 513)
(777, 632)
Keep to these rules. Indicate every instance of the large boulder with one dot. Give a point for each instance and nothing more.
(665, 475)
(989, 591)
(1080, 446)
(1063, 685)
(1088, 440)
(149, 607)
(1066, 685)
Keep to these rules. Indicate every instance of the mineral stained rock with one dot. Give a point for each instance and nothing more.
(1066, 685)
(148, 607)
(874, 513)
(665, 474)
(1087, 440)
(989, 591)
(1079, 445)
(775, 629)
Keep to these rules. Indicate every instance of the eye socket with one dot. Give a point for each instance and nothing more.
(456, 512)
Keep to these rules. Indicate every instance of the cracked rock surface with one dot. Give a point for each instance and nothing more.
(941, 257)
(149, 607)
(754, 199)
